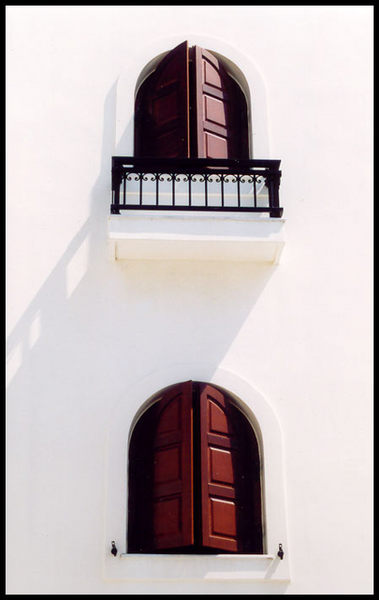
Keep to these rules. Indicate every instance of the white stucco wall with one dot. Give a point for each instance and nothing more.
(88, 336)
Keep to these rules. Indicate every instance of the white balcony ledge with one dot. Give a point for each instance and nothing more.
(154, 235)
(263, 568)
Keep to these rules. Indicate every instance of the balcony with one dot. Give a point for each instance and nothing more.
(202, 209)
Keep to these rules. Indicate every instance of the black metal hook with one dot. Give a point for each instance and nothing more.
(280, 552)
(114, 549)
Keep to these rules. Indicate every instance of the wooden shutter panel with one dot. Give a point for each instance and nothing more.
(221, 112)
(230, 480)
(160, 474)
(172, 487)
(162, 108)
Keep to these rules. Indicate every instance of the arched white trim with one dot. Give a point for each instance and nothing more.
(256, 407)
(131, 77)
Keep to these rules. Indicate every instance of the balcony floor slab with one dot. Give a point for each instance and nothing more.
(154, 235)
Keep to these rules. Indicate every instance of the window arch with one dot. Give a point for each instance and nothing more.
(194, 475)
(188, 104)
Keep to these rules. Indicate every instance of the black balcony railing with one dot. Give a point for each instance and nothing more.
(198, 184)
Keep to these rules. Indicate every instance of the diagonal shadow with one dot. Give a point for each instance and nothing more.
(79, 343)
(164, 302)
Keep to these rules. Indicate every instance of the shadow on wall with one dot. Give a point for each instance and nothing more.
(93, 327)
(93, 313)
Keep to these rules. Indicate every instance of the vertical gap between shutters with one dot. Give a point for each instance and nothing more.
(192, 105)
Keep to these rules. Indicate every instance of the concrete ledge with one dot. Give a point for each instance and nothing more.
(186, 567)
(150, 235)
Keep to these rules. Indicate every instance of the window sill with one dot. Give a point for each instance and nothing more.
(183, 567)
(195, 236)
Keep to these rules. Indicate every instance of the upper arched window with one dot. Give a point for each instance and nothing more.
(194, 475)
(190, 105)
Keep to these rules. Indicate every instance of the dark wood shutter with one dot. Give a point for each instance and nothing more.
(221, 113)
(230, 478)
(160, 474)
(162, 108)
(172, 478)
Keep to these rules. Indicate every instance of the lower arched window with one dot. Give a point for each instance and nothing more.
(194, 475)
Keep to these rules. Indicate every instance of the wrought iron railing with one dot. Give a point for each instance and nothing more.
(199, 184)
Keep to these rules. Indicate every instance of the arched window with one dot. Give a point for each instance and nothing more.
(191, 106)
(194, 476)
